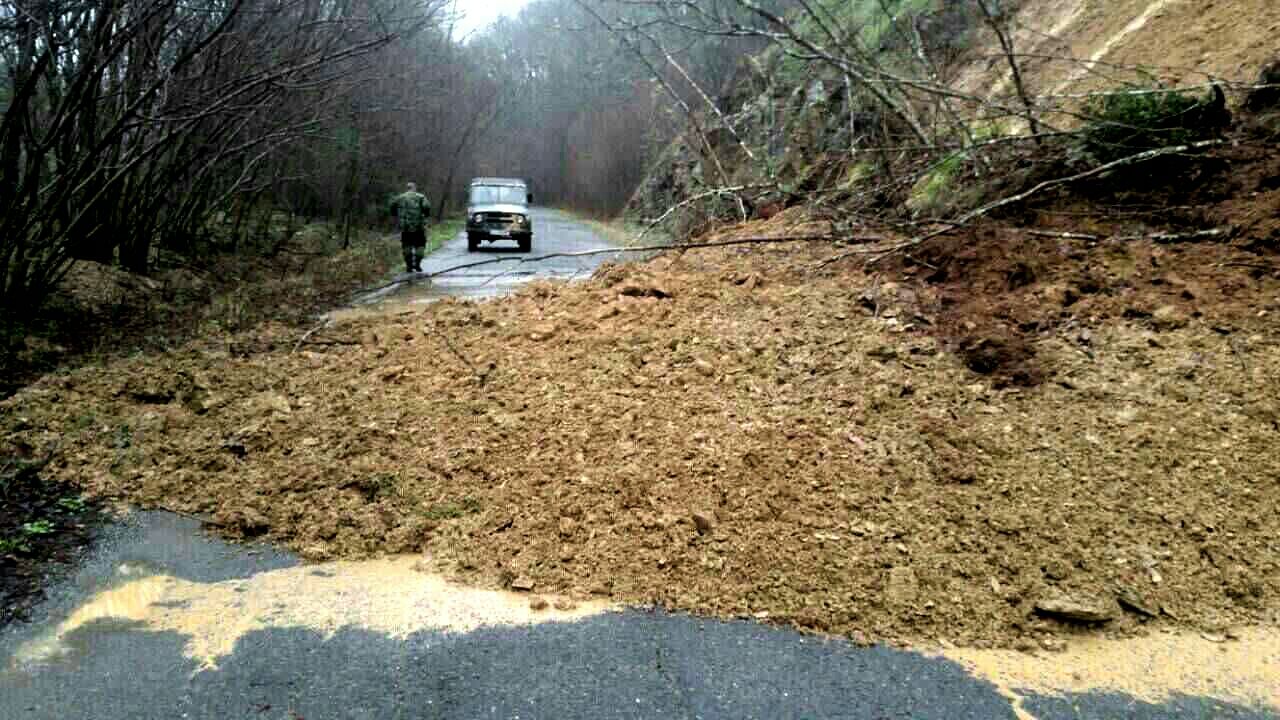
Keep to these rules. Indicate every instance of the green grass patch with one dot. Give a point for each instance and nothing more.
(442, 232)
(21, 542)
(936, 189)
(1125, 124)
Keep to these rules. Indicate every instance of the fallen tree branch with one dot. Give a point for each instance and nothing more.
(411, 277)
(717, 192)
(984, 210)
(1170, 238)
(661, 248)
(1163, 238)
(1064, 235)
(327, 322)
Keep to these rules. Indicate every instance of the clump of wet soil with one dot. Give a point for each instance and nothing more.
(733, 433)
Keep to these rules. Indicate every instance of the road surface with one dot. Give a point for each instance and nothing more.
(554, 232)
(162, 622)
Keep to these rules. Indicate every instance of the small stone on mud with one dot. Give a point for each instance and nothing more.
(522, 584)
(643, 287)
(1169, 317)
(1077, 608)
(538, 603)
(705, 522)
(543, 332)
(316, 553)
(565, 605)
(391, 373)
(1133, 601)
(1053, 644)
(704, 368)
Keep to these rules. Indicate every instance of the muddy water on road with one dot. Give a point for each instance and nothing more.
(390, 597)
(1243, 669)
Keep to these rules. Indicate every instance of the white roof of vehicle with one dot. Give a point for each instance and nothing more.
(498, 181)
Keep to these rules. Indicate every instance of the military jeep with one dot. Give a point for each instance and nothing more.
(498, 209)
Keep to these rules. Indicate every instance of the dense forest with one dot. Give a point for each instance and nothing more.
(143, 132)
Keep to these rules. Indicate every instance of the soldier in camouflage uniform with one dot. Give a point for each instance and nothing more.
(411, 210)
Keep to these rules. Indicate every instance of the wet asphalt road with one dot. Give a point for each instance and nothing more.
(505, 268)
(625, 664)
(622, 664)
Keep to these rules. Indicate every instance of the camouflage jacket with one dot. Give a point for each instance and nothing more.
(411, 209)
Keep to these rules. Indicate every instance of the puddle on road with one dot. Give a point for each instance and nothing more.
(387, 596)
(415, 292)
(1154, 668)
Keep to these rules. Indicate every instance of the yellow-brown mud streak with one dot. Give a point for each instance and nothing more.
(388, 596)
(1245, 670)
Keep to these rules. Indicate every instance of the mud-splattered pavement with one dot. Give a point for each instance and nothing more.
(497, 267)
(162, 622)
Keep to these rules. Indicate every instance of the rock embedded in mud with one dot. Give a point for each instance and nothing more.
(538, 603)
(1076, 608)
(1025, 645)
(316, 553)
(1133, 601)
(522, 583)
(389, 374)
(253, 522)
(1053, 644)
(705, 522)
(1169, 317)
(542, 332)
(644, 287)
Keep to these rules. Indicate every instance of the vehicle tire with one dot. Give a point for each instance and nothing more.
(473, 243)
(525, 243)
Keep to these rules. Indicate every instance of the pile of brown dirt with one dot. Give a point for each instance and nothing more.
(735, 433)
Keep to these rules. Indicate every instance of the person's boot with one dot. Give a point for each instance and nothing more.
(418, 254)
(407, 251)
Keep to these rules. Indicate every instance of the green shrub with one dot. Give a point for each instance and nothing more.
(1124, 124)
(936, 190)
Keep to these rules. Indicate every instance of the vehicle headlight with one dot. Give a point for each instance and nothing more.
(520, 219)
(478, 218)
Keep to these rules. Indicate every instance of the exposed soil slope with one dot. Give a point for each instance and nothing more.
(918, 454)
(1175, 41)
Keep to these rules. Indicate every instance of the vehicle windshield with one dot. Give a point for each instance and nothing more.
(497, 195)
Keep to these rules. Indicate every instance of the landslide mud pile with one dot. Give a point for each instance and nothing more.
(738, 434)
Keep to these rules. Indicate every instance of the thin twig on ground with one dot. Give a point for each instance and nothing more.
(664, 247)
(301, 341)
(1166, 238)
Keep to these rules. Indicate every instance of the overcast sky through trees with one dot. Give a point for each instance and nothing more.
(479, 14)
